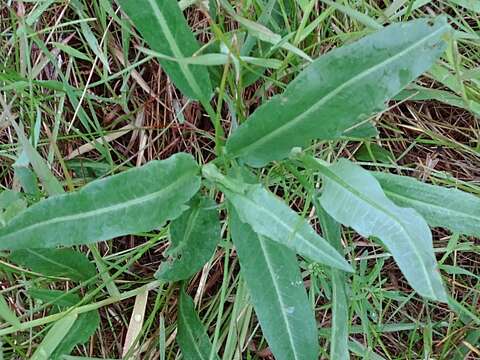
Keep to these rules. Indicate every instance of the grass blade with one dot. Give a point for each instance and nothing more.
(54, 337)
(340, 318)
(7, 314)
(362, 351)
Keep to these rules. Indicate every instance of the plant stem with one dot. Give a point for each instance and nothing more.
(81, 309)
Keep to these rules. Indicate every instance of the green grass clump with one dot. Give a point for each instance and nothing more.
(83, 96)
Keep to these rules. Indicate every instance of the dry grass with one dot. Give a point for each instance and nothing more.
(155, 121)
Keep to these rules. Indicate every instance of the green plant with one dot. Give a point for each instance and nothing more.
(332, 98)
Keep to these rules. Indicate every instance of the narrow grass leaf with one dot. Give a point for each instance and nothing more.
(48, 180)
(136, 200)
(339, 90)
(216, 59)
(419, 93)
(88, 34)
(353, 197)
(194, 236)
(80, 332)
(55, 262)
(7, 314)
(71, 51)
(166, 31)
(362, 351)
(69, 357)
(54, 337)
(265, 34)
(33, 16)
(191, 335)
(276, 288)
(453, 209)
(331, 230)
(355, 14)
(470, 340)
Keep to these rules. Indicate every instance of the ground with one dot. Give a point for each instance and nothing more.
(117, 109)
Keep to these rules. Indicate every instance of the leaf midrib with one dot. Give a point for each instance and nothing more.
(98, 211)
(191, 335)
(289, 230)
(175, 49)
(332, 176)
(278, 297)
(192, 218)
(286, 126)
(426, 203)
(60, 265)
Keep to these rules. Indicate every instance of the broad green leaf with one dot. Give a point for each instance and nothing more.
(373, 152)
(7, 314)
(136, 200)
(362, 351)
(54, 337)
(27, 179)
(269, 216)
(340, 317)
(355, 14)
(166, 31)
(71, 51)
(339, 90)
(194, 236)
(88, 34)
(419, 93)
(54, 297)
(69, 357)
(471, 336)
(79, 333)
(449, 208)
(473, 5)
(354, 198)
(276, 288)
(33, 16)
(55, 262)
(191, 335)
(11, 203)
